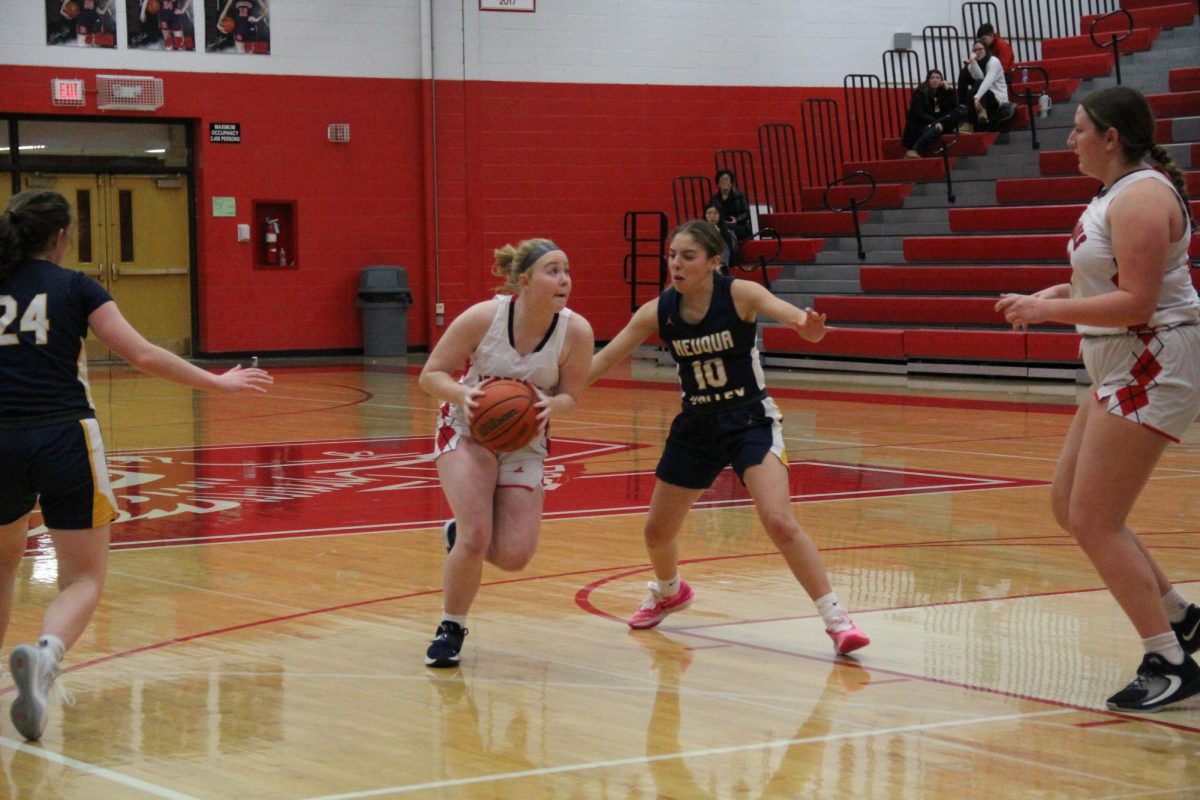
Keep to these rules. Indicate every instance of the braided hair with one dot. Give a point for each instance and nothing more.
(1126, 109)
(28, 226)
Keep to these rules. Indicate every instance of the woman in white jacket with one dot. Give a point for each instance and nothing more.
(983, 90)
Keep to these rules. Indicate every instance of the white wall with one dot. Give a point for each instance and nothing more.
(682, 42)
(359, 38)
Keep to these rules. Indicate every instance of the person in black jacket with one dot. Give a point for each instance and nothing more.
(931, 112)
(735, 209)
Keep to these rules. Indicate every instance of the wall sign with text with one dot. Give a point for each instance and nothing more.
(508, 5)
(225, 132)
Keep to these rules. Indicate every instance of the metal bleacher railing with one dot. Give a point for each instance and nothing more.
(780, 158)
(1112, 38)
(646, 235)
(821, 132)
(1025, 23)
(862, 96)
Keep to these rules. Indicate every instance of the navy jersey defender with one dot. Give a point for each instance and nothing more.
(716, 358)
(709, 323)
(51, 451)
(42, 364)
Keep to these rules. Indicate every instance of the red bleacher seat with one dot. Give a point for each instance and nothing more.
(898, 279)
(1156, 16)
(883, 343)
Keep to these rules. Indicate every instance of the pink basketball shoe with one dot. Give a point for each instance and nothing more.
(848, 639)
(655, 607)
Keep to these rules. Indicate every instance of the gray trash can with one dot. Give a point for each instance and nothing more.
(384, 298)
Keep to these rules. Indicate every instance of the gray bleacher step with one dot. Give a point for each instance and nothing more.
(851, 257)
(807, 289)
(943, 204)
(1156, 82)
(981, 188)
(940, 226)
(907, 216)
(1181, 154)
(976, 193)
(1185, 129)
(843, 243)
(991, 172)
(1168, 52)
(821, 272)
(998, 157)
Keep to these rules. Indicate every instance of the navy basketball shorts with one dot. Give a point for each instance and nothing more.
(63, 466)
(699, 445)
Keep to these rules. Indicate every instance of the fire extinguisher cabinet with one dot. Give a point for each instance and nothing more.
(384, 298)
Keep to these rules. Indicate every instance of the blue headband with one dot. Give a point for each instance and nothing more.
(536, 252)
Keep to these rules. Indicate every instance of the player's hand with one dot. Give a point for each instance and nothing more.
(238, 379)
(812, 327)
(469, 399)
(1022, 310)
(543, 406)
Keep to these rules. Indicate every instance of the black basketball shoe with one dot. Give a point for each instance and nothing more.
(444, 649)
(449, 533)
(1187, 631)
(1158, 683)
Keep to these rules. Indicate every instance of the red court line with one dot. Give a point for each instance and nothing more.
(714, 640)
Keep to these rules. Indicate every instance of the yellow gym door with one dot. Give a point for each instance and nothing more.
(131, 235)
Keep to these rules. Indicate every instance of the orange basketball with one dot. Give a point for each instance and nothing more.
(71, 10)
(152, 6)
(506, 417)
(226, 25)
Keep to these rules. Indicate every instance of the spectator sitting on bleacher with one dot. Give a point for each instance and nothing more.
(1001, 49)
(728, 238)
(983, 91)
(931, 112)
(734, 208)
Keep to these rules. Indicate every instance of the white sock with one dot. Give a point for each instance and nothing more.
(668, 588)
(458, 619)
(55, 644)
(1165, 645)
(1175, 604)
(835, 617)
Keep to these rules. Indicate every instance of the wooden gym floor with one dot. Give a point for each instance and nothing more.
(275, 579)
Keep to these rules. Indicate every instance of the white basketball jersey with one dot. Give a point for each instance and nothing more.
(1094, 267)
(495, 357)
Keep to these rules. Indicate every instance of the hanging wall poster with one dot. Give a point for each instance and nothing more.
(237, 26)
(81, 23)
(160, 24)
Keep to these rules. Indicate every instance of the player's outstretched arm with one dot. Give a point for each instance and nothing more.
(643, 323)
(111, 327)
(753, 299)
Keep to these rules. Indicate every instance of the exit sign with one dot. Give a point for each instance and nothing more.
(67, 91)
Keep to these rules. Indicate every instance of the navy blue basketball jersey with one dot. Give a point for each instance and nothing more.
(44, 313)
(717, 360)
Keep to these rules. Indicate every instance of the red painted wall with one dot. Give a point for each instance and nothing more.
(567, 161)
(512, 160)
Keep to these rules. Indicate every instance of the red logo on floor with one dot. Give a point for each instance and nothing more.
(236, 493)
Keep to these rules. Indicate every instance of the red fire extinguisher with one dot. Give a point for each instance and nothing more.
(272, 240)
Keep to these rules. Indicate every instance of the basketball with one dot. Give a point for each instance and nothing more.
(71, 10)
(226, 25)
(152, 6)
(505, 418)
